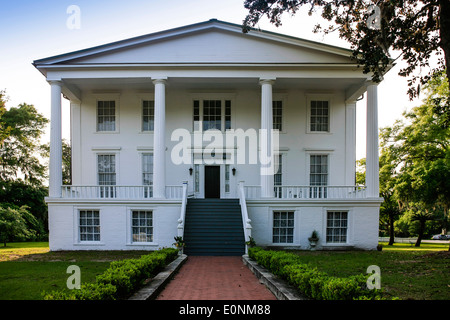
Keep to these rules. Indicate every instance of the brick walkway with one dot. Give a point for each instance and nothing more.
(215, 278)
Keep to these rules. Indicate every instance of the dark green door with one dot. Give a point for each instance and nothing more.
(212, 182)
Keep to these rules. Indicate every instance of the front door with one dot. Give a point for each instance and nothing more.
(212, 181)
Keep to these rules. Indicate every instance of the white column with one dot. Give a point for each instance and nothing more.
(266, 170)
(350, 143)
(55, 165)
(372, 168)
(159, 146)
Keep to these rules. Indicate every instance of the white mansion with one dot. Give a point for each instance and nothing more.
(175, 133)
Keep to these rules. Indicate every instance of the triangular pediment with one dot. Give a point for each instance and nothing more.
(211, 42)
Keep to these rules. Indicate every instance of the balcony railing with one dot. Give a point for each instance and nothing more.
(118, 192)
(309, 192)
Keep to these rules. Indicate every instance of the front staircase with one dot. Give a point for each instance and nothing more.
(214, 228)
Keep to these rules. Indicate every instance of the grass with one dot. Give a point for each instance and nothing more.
(29, 269)
(407, 272)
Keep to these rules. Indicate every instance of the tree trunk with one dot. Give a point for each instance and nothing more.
(421, 231)
(391, 229)
(444, 29)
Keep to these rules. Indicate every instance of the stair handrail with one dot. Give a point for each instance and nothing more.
(246, 222)
(184, 197)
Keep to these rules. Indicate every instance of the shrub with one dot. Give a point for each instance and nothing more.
(310, 281)
(120, 279)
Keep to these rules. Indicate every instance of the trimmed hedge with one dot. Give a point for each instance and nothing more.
(310, 281)
(121, 279)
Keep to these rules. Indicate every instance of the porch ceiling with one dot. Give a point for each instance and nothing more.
(212, 83)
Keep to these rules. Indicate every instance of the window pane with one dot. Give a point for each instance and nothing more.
(212, 114)
(106, 116)
(337, 226)
(148, 115)
(277, 109)
(283, 227)
(319, 112)
(89, 225)
(142, 226)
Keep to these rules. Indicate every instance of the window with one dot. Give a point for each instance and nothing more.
(148, 115)
(196, 178)
(147, 174)
(106, 115)
(337, 226)
(142, 226)
(89, 225)
(318, 175)
(283, 227)
(227, 178)
(278, 177)
(106, 168)
(210, 114)
(277, 109)
(319, 116)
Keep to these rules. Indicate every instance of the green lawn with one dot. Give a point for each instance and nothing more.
(28, 269)
(407, 272)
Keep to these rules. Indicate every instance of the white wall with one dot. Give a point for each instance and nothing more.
(295, 142)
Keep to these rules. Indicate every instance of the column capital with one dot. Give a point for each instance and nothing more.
(55, 82)
(159, 80)
(270, 81)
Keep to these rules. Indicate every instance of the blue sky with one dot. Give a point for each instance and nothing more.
(35, 29)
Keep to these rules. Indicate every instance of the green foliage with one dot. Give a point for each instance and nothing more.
(415, 161)
(20, 150)
(15, 224)
(310, 281)
(416, 30)
(17, 193)
(120, 279)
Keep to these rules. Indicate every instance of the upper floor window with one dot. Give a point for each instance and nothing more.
(319, 116)
(277, 110)
(212, 114)
(106, 115)
(318, 175)
(148, 115)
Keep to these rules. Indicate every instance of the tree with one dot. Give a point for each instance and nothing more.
(21, 148)
(14, 224)
(415, 29)
(416, 157)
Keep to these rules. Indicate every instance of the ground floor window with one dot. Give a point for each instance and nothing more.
(337, 222)
(89, 225)
(142, 225)
(283, 227)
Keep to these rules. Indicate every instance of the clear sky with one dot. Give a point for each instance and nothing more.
(35, 29)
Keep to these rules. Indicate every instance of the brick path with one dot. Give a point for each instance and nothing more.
(215, 278)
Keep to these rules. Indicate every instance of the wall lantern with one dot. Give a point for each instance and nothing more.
(190, 171)
(234, 171)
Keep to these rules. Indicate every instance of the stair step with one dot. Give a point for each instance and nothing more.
(214, 227)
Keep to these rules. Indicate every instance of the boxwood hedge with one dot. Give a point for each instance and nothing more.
(121, 279)
(311, 282)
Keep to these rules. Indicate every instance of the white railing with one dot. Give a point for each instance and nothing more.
(183, 209)
(117, 192)
(246, 222)
(310, 192)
